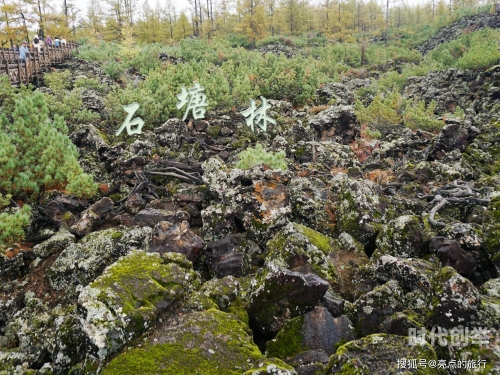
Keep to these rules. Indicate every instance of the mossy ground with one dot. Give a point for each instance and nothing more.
(206, 343)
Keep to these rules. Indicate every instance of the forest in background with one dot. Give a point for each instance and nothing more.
(243, 22)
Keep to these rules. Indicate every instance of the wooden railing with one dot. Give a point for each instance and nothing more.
(23, 72)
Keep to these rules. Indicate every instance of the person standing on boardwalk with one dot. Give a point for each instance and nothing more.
(36, 44)
(48, 41)
(57, 42)
(63, 41)
(22, 52)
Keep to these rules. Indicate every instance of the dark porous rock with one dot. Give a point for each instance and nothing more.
(222, 291)
(56, 209)
(309, 201)
(102, 206)
(492, 232)
(370, 310)
(134, 204)
(92, 100)
(453, 136)
(316, 330)
(403, 237)
(176, 238)
(256, 201)
(454, 300)
(451, 254)
(283, 294)
(470, 236)
(311, 369)
(400, 323)
(151, 216)
(336, 121)
(411, 274)
(378, 354)
(88, 222)
(11, 263)
(301, 249)
(92, 217)
(322, 331)
(225, 257)
(82, 262)
(335, 92)
(130, 296)
(333, 304)
(170, 133)
(89, 138)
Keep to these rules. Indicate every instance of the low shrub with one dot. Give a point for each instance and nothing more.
(257, 155)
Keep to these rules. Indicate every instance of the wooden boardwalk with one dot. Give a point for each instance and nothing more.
(36, 63)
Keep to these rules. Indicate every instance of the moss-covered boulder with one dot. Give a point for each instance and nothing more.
(378, 354)
(371, 309)
(299, 248)
(283, 294)
(129, 297)
(224, 294)
(358, 207)
(82, 262)
(453, 300)
(402, 237)
(204, 343)
(316, 330)
(305, 250)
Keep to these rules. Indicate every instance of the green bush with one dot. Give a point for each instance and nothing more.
(417, 116)
(257, 155)
(11, 225)
(382, 113)
(103, 51)
(473, 50)
(113, 69)
(35, 155)
(88, 83)
(58, 81)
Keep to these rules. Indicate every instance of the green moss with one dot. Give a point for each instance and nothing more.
(139, 281)
(319, 240)
(288, 341)
(214, 131)
(116, 235)
(238, 309)
(207, 343)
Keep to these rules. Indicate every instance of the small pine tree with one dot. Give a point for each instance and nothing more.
(257, 155)
(36, 154)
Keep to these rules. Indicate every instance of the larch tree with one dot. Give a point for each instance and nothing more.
(252, 20)
(182, 27)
